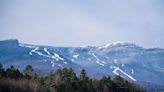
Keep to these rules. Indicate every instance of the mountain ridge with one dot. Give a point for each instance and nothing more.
(131, 61)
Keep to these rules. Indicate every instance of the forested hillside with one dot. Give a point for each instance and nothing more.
(12, 80)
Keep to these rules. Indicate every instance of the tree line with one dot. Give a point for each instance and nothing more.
(62, 80)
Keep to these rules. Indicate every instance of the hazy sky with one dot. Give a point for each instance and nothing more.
(83, 22)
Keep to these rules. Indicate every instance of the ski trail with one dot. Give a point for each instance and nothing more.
(117, 68)
(98, 60)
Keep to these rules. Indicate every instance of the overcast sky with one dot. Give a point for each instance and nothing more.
(83, 22)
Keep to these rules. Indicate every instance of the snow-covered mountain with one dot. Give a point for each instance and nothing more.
(131, 61)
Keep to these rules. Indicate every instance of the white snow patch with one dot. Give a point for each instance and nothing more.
(39, 53)
(116, 43)
(73, 60)
(35, 49)
(98, 60)
(45, 49)
(75, 56)
(89, 59)
(122, 65)
(111, 67)
(103, 62)
(115, 60)
(106, 57)
(132, 71)
(58, 56)
(30, 53)
(117, 68)
(45, 60)
(52, 63)
(65, 63)
(22, 45)
(59, 65)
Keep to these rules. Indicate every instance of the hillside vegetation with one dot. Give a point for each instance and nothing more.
(65, 80)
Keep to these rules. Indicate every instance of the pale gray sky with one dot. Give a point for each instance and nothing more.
(83, 22)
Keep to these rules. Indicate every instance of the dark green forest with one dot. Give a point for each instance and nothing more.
(62, 80)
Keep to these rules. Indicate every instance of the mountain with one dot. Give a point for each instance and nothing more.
(133, 62)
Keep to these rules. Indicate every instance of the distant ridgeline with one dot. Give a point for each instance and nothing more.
(11, 80)
(143, 66)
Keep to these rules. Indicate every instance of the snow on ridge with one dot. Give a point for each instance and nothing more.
(116, 43)
(75, 56)
(23, 45)
(85, 46)
(117, 68)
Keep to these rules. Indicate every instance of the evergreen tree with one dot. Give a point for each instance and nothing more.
(106, 81)
(2, 71)
(73, 77)
(66, 87)
(49, 82)
(12, 68)
(18, 75)
(41, 81)
(119, 81)
(83, 74)
(59, 72)
(28, 70)
(65, 74)
(35, 78)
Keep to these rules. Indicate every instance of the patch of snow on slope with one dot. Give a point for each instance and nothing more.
(98, 61)
(73, 60)
(65, 63)
(58, 56)
(30, 53)
(55, 58)
(115, 60)
(89, 59)
(59, 65)
(52, 63)
(75, 56)
(117, 68)
(106, 57)
(122, 65)
(132, 71)
(45, 49)
(103, 62)
(33, 50)
(39, 53)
